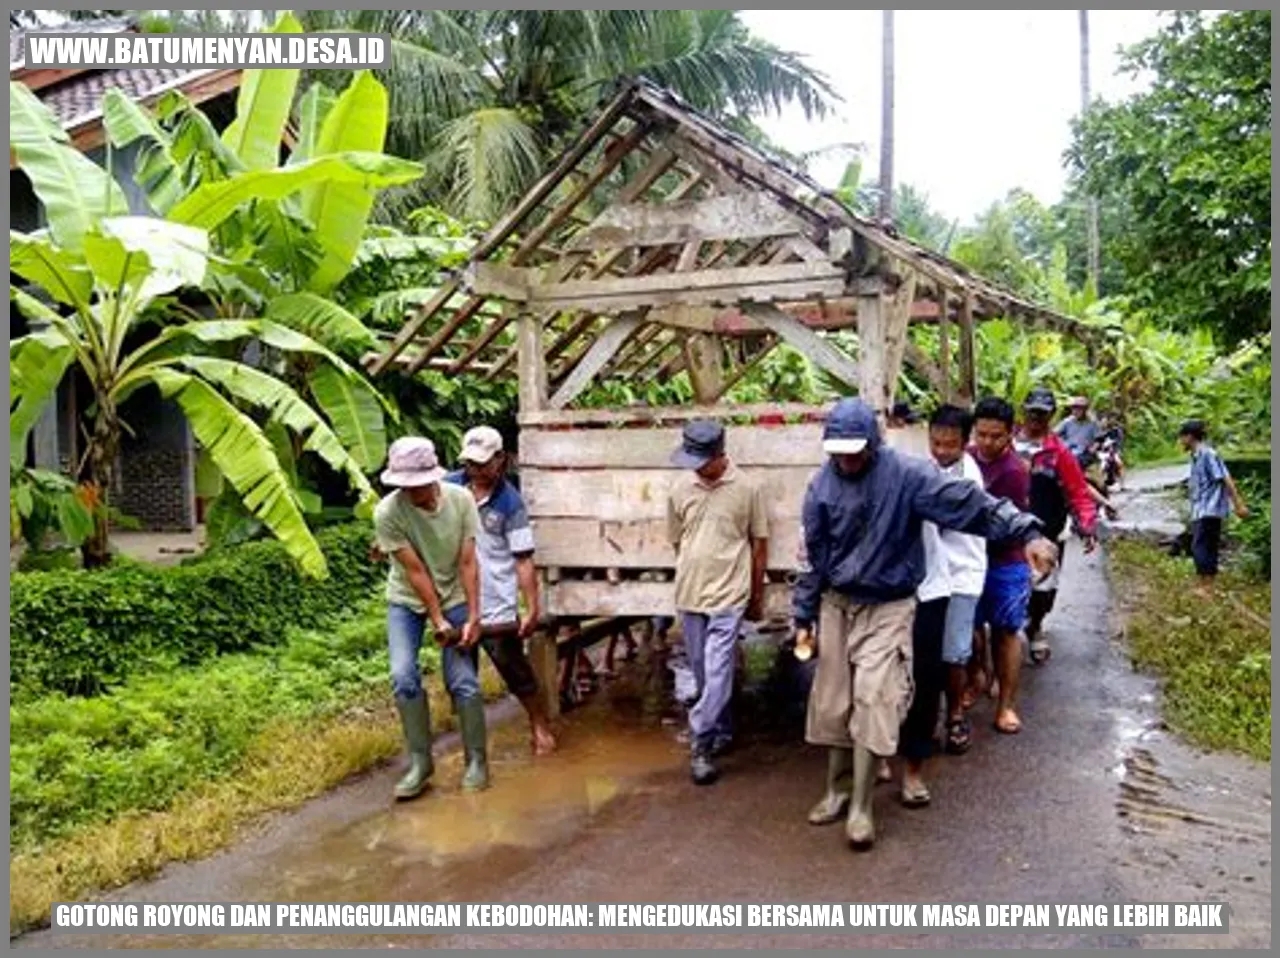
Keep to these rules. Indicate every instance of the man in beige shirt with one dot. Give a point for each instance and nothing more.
(718, 525)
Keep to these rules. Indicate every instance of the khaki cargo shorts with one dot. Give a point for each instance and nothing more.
(863, 684)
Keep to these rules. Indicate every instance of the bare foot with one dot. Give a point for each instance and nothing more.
(1007, 722)
(544, 743)
(884, 771)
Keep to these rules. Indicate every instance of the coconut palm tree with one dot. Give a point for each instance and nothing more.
(485, 97)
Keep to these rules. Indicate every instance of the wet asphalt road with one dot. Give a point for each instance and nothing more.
(613, 817)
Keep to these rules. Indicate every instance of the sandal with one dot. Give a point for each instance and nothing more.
(1039, 650)
(959, 736)
(917, 797)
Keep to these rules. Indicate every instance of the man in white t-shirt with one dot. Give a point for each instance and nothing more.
(939, 649)
(966, 557)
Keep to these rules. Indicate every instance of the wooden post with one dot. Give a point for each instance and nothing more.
(532, 362)
(897, 316)
(944, 343)
(704, 357)
(871, 353)
(968, 369)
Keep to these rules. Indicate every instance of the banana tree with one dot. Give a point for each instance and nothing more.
(107, 278)
(284, 236)
(113, 290)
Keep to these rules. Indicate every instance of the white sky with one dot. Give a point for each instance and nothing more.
(983, 99)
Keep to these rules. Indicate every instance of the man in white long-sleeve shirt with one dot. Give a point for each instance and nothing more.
(966, 558)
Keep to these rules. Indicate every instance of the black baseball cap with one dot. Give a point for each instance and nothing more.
(1040, 399)
(701, 441)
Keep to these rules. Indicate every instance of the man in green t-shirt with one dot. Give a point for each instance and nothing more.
(428, 528)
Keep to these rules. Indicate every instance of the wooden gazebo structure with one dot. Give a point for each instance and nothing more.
(663, 244)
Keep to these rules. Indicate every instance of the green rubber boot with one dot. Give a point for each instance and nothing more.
(471, 727)
(860, 828)
(835, 802)
(415, 719)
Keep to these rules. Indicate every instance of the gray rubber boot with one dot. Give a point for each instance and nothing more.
(415, 719)
(832, 806)
(860, 828)
(471, 727)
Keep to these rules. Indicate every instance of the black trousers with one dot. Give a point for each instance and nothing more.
(916, 737)
(1206, 540)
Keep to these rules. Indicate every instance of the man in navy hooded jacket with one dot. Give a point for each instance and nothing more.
(864, 559)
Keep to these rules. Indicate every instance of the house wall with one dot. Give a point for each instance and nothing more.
(155, 473)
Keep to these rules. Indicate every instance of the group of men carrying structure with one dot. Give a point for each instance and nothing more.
(912, 570)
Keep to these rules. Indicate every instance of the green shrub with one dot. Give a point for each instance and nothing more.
(1254, 533)
(80, 760)
(82, 632)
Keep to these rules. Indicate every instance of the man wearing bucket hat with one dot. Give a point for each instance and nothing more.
(719, 528)
(428, 528)
(504, 545)
(863, 515)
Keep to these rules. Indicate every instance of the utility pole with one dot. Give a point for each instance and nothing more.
(886, 119)
(1095, 242)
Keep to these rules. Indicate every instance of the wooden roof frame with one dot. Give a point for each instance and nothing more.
(659, 240)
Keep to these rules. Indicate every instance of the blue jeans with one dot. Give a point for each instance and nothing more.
(711, 643)
(404, 641)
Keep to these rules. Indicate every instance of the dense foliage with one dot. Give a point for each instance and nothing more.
(1186, 166)
(75, 761)
(83, 632)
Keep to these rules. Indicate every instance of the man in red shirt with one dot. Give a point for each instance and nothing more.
(1059, 490)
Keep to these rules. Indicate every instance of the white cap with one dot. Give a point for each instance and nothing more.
(837, 447)
(481, 444)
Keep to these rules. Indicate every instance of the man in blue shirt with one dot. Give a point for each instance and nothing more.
(1210, 486)
(504, 546)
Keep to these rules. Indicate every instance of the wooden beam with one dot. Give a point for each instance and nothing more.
(506, 226)
(533, 364)
(609, 342)
(737, 216)
(770, 341)
(656, 415)
(936, 376)
(747, 283)
(805, 341)
(704, 358)
(968, 365)
(897, 317)
(871, 350)
(944, 344)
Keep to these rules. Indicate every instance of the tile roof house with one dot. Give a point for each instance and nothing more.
(155, 476)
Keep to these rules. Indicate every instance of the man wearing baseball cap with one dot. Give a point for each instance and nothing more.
(1059, 491)
(504, 545)
(864, 561)
(719, 528)
(428, 528)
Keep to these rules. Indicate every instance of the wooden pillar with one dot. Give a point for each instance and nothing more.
(897, 317)
(944, 343)
(968, 367)
(871, 350)
(532, 362)
(704, 358)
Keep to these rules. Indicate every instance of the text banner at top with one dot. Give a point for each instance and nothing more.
(290, 51)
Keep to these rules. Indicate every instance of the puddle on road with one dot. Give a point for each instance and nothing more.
(437, 846)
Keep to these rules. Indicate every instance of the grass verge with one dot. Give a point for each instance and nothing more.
(1213, 658)
(288, 761)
